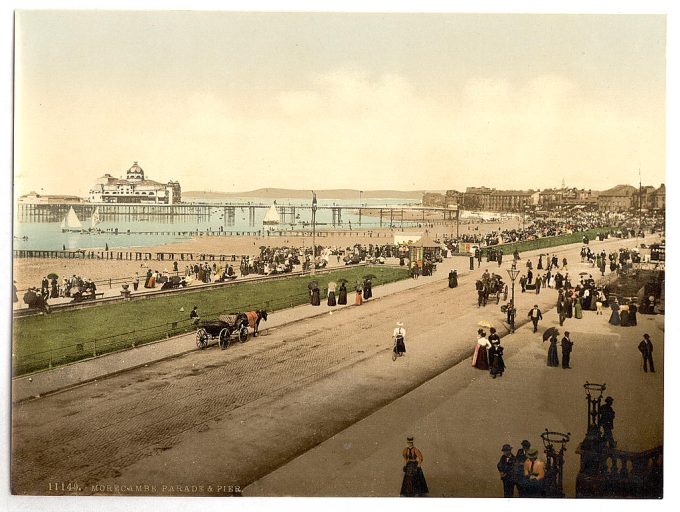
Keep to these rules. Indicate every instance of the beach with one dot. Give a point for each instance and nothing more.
(30, 271)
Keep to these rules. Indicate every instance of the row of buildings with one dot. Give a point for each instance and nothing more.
(617, 199)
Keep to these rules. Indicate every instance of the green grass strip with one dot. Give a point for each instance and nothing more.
(549, 241)
(49, 340)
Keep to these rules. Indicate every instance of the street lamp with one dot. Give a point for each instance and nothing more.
(360, 193)
(314, 232)
(513, 272)
(554, 462)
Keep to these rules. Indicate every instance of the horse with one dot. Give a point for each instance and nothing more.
(251, 319)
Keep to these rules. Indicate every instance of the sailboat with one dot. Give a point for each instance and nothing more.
(271, 217)
(96, 220)
(71, 222)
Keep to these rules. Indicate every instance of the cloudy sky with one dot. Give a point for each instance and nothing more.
(237, 101)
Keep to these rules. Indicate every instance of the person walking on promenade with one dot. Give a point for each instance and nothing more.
(480, 359)
(632, 313)
(607, 416)
(518, 470)
(453, 279)
(506, 466)
(399, 339)
(315, 295)
(478, 255)
(135, 282)
(510, 313)
(499, 257)
(414, 483)
(535, 315)
(538, 284)
(368, 288)
(615, 318)
(342, 294)
(553, 359)
(534, 475)
(646, 348)
(539, 266)
(496, 362)
(358, 297)
(567, 345)
(331, 294)
(523, 283)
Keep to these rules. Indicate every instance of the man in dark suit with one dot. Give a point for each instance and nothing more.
(506, 469)
(535, 315)
(646, 348)
(567, 344)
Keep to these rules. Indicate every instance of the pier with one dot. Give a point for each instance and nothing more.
(387, 215)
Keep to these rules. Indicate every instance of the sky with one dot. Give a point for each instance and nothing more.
(236, 101)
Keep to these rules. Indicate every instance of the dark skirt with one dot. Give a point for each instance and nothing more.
(316, 299)
(368, 293)
(553, 358)
(414, 483)
(342, 297)
(399, 346)
(497, 366)
(331, 298)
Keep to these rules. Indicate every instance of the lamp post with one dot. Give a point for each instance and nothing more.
(313, 233)
(554, 462)
(592, 447)
(360, 193)
(513, 272)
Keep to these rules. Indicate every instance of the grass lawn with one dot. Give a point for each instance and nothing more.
(49, 340)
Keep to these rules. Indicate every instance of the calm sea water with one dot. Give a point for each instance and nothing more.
(146, 231)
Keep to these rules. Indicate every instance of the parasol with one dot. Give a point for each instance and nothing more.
(485, 323)
(342, 280)
(312, 285)
(549, 332)
(369, 276)
(52, 276)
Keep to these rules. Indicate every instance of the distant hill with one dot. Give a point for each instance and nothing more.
(283, 193)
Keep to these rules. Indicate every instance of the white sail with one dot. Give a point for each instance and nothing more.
(272, 216)
(95, 218)
(71, 222)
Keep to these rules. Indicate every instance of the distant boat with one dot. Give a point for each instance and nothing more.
(71, 222)
(95, 218)
(271, 217)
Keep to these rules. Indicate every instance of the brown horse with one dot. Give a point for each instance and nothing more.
(251, 319)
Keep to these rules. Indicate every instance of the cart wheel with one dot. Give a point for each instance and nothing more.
(201, 338)
(224, 338)
(243, 334)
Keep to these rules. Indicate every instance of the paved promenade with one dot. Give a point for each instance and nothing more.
(461, 418)
(48, 381)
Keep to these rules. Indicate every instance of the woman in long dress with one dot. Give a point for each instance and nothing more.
(414, 483)
(316, 296)
(480, 359)
(632, 314)
(615, 319)
(342, 294)
(578, 309)
(623, 314)
(497, 364)
(368, 291)
(553, 359)
(358, 298)
(331, 293)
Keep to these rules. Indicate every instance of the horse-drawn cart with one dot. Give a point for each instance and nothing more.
(228, 326)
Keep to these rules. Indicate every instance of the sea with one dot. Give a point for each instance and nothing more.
(142, 231)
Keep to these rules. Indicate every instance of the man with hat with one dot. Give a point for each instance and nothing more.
(607, 415)
(496, 363)
(413, 483)
(534, 475)
(567, 345)
(505, 468)
(646, 348)
(518, 473)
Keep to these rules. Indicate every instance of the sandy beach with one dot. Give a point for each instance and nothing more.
(30, 271)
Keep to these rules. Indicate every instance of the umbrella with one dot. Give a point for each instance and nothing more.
(485, 323)
(52, 276)
(343, 280)
(584, 273)
(312, 285)
(549, 332)
(369, 276)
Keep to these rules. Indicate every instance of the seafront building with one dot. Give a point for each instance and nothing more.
(135, 188)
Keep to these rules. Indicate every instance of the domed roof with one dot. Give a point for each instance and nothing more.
(135, 171)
